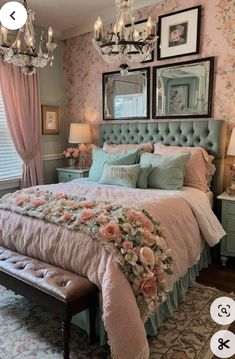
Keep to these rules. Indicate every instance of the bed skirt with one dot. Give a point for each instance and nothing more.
(165, 310)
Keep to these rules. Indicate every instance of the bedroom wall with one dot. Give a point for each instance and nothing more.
(83, 66)
(52, 93)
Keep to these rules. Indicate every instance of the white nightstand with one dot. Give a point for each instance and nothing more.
(228, 222)
(67, 174)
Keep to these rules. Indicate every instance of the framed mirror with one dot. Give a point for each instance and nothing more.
(126, 97)
(183, 89)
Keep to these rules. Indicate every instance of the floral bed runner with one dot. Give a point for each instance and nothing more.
(131, 235)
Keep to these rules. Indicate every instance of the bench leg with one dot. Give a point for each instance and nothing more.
(92, 318)
(66, 336)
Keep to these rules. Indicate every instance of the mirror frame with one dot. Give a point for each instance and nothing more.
(210, 89)
(148, 74)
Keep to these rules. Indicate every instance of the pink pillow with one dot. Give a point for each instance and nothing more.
(145, 147)
(199, 169)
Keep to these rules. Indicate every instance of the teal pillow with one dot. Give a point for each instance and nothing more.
(99, 158)
(125, 176)
(142, 181)
(167, 170)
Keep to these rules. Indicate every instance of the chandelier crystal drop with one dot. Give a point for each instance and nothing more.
(125, 45)
(19, 48)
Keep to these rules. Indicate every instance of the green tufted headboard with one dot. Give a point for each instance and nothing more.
(209, 134)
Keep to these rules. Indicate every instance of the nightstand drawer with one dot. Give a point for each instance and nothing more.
(230, 243)
(229, 224)
(67, 177)
(231, 208)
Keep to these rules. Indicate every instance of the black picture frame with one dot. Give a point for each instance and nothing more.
(148, 76)
(193, 42)
(210, 90)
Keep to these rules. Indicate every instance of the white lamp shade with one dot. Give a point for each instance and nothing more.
(231, 147)
(80, 133)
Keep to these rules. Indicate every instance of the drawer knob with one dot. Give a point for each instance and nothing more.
(69, 176)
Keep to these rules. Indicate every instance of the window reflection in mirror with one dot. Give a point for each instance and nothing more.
(183, 90)
(126, 97)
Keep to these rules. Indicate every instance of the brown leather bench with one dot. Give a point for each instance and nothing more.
(57, 290)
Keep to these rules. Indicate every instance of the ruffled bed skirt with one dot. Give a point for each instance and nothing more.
(165, 311)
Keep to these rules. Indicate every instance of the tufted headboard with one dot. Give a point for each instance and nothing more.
(209, 134)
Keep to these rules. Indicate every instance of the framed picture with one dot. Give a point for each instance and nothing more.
(178, 98)
(50, 120)
(179, 33)
(141, 27)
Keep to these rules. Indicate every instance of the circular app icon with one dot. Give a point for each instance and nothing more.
(13, 15)
(222, 310)
(223, 344)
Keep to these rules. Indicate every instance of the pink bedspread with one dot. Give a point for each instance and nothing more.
(177, 211)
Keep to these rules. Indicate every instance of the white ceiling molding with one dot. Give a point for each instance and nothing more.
(108, 16)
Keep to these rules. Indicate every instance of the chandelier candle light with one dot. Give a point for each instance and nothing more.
(125, 45)
(20, 50)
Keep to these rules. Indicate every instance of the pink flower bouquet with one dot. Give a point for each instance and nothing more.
(71, 153)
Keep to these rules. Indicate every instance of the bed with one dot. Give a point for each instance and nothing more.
(30, 236)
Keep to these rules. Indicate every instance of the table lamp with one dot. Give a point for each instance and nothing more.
(80, 133)
(231, 152)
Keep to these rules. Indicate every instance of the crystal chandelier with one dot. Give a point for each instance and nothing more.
(125, 45)
(19, 49)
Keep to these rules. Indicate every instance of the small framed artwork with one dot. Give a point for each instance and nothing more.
(50, 120)
(141, 27)
(179, 33)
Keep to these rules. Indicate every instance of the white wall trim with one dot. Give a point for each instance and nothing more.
(55, 156)
(9, 183)
(108, 16)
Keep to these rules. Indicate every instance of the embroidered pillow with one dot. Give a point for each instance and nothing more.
(144, 147)
(199, 169)
(100, 157)
(167, 170)
(125, 176)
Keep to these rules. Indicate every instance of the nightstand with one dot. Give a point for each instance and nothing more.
(228, 222)
(67, 174)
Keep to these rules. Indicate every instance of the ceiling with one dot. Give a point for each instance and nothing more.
(72, 17)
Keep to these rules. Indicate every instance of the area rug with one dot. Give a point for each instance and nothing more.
(28, 332)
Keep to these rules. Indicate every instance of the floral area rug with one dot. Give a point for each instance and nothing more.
(28, 332)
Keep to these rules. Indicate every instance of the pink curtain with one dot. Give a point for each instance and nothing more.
(21, 100)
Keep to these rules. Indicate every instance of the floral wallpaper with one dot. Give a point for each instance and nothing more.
(83, 66)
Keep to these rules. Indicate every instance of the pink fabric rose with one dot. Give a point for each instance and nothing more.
(37, 202)
(21, 199)
(86, 204)
(105, 207)
(149, 238)
(111, 231)
(86, 215)
(140, 217)
(149, 287)
(102, 218)
(127, 245)
(67, 216)
(146, 256)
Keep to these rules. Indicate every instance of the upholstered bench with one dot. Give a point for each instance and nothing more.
(57, 290)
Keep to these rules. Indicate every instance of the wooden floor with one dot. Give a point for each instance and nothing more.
(222, 278)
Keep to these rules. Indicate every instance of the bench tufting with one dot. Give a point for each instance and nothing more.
(57, 290)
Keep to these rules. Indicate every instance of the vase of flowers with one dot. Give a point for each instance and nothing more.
(72, 154)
